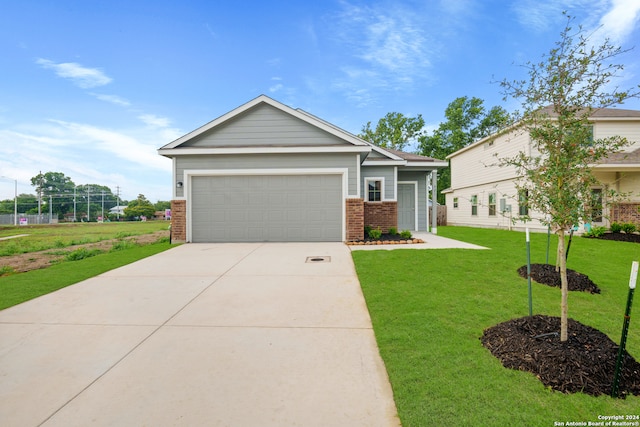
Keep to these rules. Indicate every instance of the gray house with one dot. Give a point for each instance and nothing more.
(268, 172)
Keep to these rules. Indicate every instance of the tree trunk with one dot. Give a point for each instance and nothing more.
(564, 305)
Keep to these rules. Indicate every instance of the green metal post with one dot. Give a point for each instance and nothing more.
(625, 329)
(529, 273)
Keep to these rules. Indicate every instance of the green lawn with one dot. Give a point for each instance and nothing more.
(429, 308)
(41, 237)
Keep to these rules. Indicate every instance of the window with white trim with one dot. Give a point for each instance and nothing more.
(374, 188)
(474, 205)
(492, 204)
(455, 203)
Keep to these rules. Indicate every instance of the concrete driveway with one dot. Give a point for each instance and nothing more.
(200, 335)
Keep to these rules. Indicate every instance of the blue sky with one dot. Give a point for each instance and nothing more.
(93, 88)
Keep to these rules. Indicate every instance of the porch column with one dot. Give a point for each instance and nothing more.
(434, 201)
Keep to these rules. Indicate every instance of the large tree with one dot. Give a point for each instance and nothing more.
(54, 187)
(467, 120)
(562, 92)
(394, 131)
(139, 207)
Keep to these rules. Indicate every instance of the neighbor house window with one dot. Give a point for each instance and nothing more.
(474, 204)
(492, 204)
(455, 202)
(596, 204)
(374, 190)
(523, 203)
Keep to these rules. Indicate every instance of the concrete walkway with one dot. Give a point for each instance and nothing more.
(200, 335)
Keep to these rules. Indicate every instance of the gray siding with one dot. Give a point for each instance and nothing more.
(264, 125)
(421, 177)
(270, 161)
(386, 172)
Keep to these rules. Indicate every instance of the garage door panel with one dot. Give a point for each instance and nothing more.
(266, 208)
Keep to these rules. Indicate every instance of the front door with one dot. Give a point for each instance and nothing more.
(407, 206)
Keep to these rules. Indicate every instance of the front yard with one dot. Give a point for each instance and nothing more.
(430, 307)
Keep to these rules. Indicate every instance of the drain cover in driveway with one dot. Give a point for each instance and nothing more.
(318, 259)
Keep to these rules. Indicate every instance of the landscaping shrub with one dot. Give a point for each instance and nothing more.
(629, 227)
(367, 230)
(405, 234)
(596, 232)
(616, 227)
(375, 234)
(393, 231)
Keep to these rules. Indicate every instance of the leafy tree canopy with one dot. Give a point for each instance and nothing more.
(393, 131)
(467, 120)
(139, 207)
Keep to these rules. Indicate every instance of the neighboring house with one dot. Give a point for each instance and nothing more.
(482, 194)
(117, 210)
(268, 172)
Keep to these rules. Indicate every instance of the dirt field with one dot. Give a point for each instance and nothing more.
(42, 259)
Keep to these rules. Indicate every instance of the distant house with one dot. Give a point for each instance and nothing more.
(268, 172)
(483, 194)
(117, 210)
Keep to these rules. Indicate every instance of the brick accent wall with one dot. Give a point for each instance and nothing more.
(381, 214)
(355, 219)
(178, 221)
(626, 212)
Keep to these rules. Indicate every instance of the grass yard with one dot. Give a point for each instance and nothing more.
(56, 236)
(430, 307)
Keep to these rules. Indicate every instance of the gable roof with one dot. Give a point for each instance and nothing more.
(180, 145)
(602, 114)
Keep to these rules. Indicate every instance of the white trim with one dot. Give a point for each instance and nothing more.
(190, 173)
(384, 163)
(358, 193)
(415, 201)
(386, 153)
(366, 189)
(171, 152)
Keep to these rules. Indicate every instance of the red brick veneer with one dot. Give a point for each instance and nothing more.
(381, 214)
(626, 212)
(355, 219)
(178, 221)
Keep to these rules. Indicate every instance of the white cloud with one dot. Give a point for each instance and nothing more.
(112, 99)
(155, 121)
(275, 88)
(83, 77)
(621, 19)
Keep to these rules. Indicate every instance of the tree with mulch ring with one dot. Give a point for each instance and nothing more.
(547, 274)
(584, 363)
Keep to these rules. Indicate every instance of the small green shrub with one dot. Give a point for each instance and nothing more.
(405, 234)
(596, 232)
(367, 229)
(629, 227)
(121, 245)
(59, 244)
(163, 240)
(393, 231)
(375, 234)
(616, 227)
(81, 253)
(6, 270)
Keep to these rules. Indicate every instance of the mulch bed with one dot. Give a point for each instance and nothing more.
(584, 363)
(385, 239)
(546, 274)
(620, 237)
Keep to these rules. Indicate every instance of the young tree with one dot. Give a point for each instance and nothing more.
(393, 131)
(467, 121)
(561, 94)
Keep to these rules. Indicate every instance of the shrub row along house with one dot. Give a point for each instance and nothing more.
(268, 172)
(483, 194)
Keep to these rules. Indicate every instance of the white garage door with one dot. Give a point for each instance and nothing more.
(266, 208)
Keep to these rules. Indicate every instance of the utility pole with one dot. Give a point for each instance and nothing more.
(74, 203)
(118, 202)
(50, 209)
(102, 205)
(88, 203)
